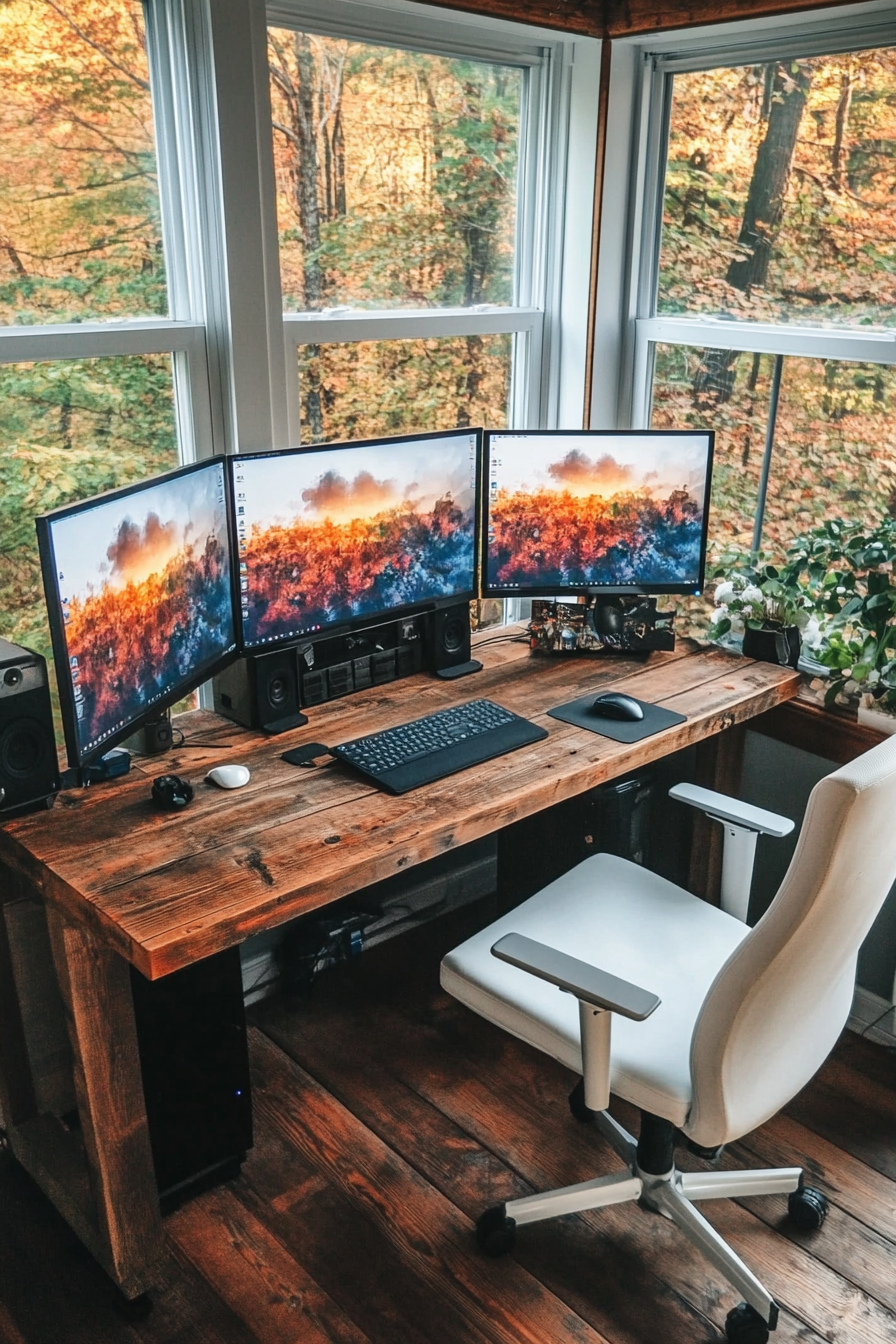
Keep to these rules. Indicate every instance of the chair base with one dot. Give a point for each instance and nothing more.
(671, 1193)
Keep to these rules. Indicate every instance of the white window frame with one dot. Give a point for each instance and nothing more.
(627, 327)
(548, 318)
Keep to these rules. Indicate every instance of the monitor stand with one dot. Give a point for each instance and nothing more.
(459, 670)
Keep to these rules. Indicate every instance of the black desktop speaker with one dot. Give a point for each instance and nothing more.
(449, 642)
(29, 770)
(261, 690)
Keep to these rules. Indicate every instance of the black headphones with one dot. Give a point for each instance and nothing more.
(171, 792)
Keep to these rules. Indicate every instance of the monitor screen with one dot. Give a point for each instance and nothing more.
(618, 512)
(347, 532)
(139, 591)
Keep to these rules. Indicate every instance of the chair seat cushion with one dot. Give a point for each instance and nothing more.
(628, 921)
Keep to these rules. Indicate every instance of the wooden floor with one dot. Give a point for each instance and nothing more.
(387, 1117)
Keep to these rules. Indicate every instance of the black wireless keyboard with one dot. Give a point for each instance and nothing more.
(415, 753)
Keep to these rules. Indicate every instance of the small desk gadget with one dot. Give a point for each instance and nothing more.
(116, 881)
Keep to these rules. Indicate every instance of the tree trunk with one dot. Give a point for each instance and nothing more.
(714, 379)
(764, 209)
(339, 162)
(841, 124)
(308, 172)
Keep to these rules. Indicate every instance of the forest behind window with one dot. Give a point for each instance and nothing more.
(779, 206)
(780, 190)
(80, 240)
(397, 184)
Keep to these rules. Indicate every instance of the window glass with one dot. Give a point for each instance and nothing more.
(70, 430)
(80, 233)
(834, 453)
(396, 175)
(712, 389)
(363, 389)
(779, 192)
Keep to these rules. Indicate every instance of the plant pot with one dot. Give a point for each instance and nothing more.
(774, 644)
(879, 719)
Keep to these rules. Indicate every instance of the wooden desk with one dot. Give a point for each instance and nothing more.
(105, 878)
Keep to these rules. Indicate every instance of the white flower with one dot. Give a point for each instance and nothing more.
(752, 594)
(724, 592)
(719, 615)
(737, 623)
(812, 633)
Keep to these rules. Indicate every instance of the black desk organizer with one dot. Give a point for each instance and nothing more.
(268, 689)
(600, 625)
(336, 666)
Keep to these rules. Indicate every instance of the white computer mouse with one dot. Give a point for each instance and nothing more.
(229, 776)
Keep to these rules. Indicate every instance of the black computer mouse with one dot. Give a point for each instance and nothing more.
(615, 705)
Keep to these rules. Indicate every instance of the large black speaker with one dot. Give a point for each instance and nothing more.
(261, 690)
(449, 642)
(29, 770)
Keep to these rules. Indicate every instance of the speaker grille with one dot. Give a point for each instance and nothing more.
(279, 690)
(454, 633)
(24, 750)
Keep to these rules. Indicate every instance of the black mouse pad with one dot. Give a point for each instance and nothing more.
(654, 721)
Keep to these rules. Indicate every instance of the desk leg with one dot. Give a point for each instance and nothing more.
(96, 993)
(719, 764)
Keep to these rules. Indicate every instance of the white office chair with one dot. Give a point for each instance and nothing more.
(730, 1023)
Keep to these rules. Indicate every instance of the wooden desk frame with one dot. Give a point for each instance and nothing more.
(104, 879)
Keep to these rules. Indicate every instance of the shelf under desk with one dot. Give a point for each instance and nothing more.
(121, 881)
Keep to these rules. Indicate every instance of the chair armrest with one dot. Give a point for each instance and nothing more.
(588, 983)
(732, 810)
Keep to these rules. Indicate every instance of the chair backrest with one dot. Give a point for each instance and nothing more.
(781, 1000)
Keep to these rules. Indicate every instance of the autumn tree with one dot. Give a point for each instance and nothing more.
(413, 163)
(80, 239)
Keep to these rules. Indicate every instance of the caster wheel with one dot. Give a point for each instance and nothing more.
(807, 1208)
(708, 1154)
(744, 1325)
(132, 1308)
(577, 1103)
(495, 1232)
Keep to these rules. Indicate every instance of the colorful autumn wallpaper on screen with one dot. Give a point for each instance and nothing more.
(329, 536)
(144, 583)
(576, 511)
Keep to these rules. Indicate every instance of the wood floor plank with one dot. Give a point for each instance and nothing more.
(568, 1263)
(851, 1109)
(852, 1314)
(359, 1267)
(537, 1140)
(854, 1187)
(255, 1275)
(422, 1226)
(387, 1117)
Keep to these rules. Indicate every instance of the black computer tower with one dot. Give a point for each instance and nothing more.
(191, 1030)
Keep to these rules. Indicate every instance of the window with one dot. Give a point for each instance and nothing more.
(420, 167)
(762, 265)
(103, 375)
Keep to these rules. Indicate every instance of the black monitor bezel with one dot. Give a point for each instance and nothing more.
(79, 759)
(614, 590)
(368, 618)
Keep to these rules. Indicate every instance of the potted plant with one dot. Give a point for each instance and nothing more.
(849, 572)
(772, 610)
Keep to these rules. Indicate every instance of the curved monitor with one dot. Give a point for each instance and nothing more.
(617, 512)
(140, 596)
(338, 535)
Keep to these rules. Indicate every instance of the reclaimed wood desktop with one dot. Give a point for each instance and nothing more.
(104, 878)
